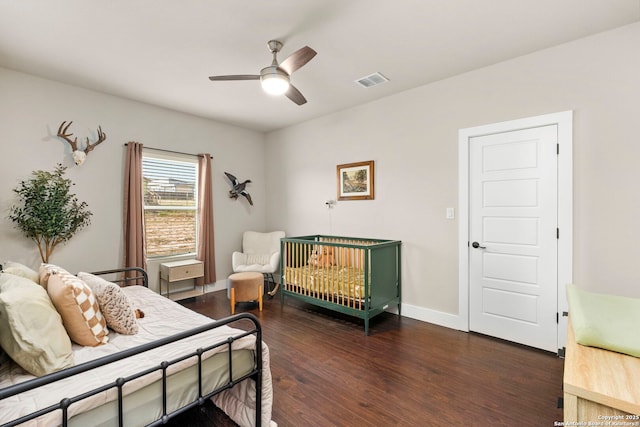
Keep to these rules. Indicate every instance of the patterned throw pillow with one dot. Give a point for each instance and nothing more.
(45, 271)
(114, 304)
(78, 307)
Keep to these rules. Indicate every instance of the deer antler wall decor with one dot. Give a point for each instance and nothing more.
(79, 155)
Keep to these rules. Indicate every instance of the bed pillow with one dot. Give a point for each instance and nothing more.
(45, 271)
(20, 270)
(114, 304)
(76, 303)
(605, 321)
(31, 330)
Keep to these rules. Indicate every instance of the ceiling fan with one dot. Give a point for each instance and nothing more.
(275, 78)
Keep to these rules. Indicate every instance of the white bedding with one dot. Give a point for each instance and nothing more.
(162, 318)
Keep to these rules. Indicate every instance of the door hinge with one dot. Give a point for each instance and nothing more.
(557, 317)
(558, 149)
(562, 351)
(557, 233)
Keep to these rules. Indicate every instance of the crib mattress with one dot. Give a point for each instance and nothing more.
(344, 282)
(143, 402)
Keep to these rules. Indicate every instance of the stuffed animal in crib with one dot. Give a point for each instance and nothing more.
(322, 256)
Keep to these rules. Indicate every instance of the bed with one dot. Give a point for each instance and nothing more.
(355, 276)
(176, 360)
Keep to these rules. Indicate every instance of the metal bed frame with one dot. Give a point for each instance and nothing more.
(140, 274)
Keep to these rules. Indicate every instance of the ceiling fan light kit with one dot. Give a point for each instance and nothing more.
(274, 81)
(276, 78)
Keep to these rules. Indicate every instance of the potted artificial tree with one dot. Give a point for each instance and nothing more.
(47, 212)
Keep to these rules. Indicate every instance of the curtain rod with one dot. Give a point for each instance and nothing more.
(169, 151)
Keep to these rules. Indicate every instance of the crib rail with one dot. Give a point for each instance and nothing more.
(328, 270)
(118, 384)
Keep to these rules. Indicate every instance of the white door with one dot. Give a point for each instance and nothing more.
(513, 248)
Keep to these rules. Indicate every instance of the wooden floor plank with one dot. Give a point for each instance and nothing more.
(326, 372)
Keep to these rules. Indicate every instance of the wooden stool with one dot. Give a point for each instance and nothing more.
(245, 287)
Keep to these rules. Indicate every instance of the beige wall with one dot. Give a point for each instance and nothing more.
(413, 139)
(31, 110)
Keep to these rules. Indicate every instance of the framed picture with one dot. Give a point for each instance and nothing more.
(355, 181)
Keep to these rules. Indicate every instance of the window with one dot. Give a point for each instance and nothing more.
(170, 205)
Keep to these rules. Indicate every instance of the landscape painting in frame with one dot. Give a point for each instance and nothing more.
(355, 181)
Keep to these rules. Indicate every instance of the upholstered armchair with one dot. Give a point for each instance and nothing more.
(261, 254)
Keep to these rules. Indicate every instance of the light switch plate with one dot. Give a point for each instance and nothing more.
(451, 213)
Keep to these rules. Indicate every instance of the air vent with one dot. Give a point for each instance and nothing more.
(372, 80)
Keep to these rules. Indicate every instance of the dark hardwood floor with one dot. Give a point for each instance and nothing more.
(326, 372)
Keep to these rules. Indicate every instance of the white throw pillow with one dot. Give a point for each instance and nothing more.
(20, 270)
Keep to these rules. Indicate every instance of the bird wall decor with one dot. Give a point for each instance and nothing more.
(238, 188)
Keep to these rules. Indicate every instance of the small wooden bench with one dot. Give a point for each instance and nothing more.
(600, 386)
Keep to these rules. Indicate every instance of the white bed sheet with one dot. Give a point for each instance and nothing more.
(162, 318)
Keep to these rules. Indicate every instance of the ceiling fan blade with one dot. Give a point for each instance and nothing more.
(295, 95)
(235, 77)
(297, 59)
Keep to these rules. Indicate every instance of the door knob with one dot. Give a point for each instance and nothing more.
(477, 245)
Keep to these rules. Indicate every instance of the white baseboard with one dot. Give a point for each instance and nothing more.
(436, 317)
(440, 318)
(190, 292)
(217, 286)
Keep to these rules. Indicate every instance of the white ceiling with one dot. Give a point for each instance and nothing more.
(161, 52)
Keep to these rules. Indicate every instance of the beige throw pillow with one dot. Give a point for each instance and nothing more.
(76, 303)
(45, 271)
(31, 330)
(114, 304)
